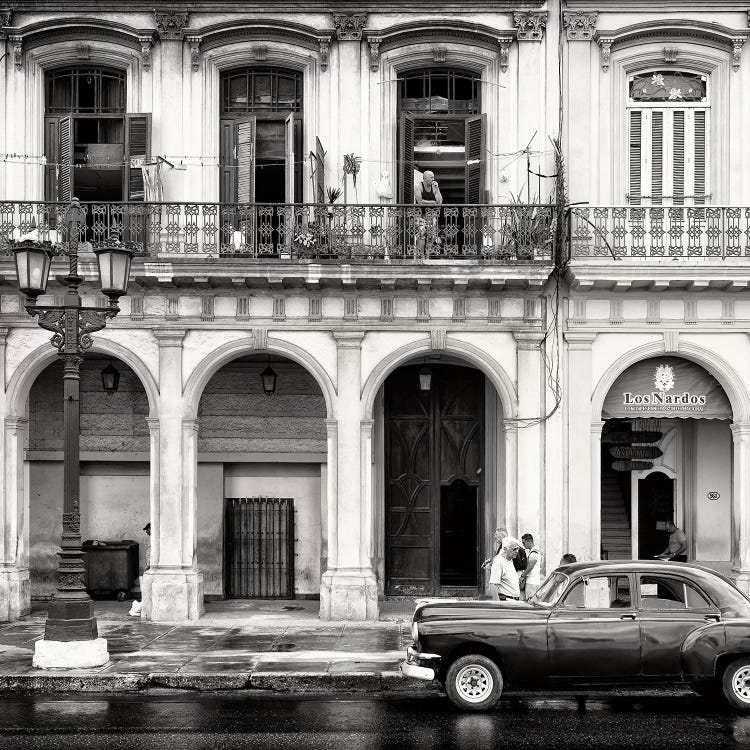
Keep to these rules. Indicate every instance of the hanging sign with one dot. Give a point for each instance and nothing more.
(666, 387)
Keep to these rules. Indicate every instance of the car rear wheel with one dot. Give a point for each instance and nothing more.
(474, 683)
(735, 683)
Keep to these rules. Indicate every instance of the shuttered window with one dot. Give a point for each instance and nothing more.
(668, 140)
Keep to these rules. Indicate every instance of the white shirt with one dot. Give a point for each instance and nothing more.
(535, 575)
(504, 574)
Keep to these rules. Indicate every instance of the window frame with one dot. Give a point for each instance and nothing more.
(75, 72)
(583, 580)
(712, 606)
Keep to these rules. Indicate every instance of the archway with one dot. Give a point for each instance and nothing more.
(666, 455)
(261, 478)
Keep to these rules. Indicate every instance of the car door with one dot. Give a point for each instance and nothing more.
(593, 633)
(669, 607)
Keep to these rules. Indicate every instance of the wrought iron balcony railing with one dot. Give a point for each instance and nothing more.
(714, 232)
(294, 232)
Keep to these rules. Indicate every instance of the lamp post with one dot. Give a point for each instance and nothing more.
(70, 633)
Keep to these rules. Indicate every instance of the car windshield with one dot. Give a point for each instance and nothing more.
(550, 591)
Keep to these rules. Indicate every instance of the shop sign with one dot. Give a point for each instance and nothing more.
(661, 398)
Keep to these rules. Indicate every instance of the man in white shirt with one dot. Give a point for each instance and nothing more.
(503, 575)
(530, 579)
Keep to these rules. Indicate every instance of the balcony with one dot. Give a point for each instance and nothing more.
(658, 247)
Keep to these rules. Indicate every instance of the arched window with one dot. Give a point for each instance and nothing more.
(94, 149)
(441, 130)
(668, 138)
(261, 135)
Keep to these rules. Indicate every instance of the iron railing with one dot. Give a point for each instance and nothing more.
(294, 232)
(658, 231)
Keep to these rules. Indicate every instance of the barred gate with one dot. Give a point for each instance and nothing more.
(259, 548)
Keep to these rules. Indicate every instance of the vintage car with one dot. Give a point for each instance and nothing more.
(590, 625)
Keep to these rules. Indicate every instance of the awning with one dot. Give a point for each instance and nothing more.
(666, 387)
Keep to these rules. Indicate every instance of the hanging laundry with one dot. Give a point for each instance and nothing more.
(153, 188)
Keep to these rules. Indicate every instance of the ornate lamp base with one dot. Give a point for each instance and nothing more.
(70, 654)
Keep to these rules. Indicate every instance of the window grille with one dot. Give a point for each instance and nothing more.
(85, 91)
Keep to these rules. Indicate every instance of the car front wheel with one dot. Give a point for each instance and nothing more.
(474, 683)
(735, 684)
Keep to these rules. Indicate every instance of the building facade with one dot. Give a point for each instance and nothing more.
(513, 357)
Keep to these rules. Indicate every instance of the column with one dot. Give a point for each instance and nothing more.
(581, 495)
(172, 586)
(741, 506)
(530, 488)
(349, 588)
(596, 488)
(15, 589)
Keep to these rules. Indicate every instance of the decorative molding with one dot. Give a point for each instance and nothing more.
(324, 48)
(737, 44)
(578, 313)
(315, 308)
(691, 311)
(170, 24)
(194, 42)
(671, 54)
(423, 308)
(207, 308)
(727, 311)
(386, 308)
(170, 336)
(349, 26)
(146, 42)
(615, 312)
(653, 312)
(261, 53)
(173, 307)
(351, 308)
(580, 340)
(530, 24)
(83, 51)
(459, 308)
(260, 338)
(671, 342)
(439, 53)
(504, 55)
(579, 25)
(17, 43)
(529, 308)
(348, 339)
(6, 17)
(374, 43)
(279, 308)
(494, 309)
(605, 45)
(438, 339)
(243, 308)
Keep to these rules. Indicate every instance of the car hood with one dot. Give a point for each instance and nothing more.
(428, 609)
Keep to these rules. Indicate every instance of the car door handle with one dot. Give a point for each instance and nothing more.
(712, 618)
(629, 616)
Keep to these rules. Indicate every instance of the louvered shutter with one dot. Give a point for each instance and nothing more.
(406, 159)
(227, 171)
(320, 172)
(656, 124)
(65, 157)
(51, 146)
(137, 152)
(634, 160)
(475, 129)
(289, 156)
(244, 136)
(700, 168)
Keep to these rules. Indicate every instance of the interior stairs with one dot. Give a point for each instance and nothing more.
(615, 511)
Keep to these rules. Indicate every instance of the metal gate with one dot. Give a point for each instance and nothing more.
(259, 550)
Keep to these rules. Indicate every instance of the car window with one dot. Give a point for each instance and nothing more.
(549, 592)
(660, 592)
(599, 592)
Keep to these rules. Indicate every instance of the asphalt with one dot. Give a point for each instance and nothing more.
(274, 646)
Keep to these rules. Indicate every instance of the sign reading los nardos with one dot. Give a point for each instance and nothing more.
(664, 381)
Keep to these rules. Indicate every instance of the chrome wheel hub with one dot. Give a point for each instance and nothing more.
(474, 683)
(741, 684)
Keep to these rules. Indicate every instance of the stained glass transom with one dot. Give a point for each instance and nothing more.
(668, 86)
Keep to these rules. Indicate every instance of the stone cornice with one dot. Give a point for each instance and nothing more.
(78, 29)
(469, 7)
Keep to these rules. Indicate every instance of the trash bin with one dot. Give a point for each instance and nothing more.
(111, 567)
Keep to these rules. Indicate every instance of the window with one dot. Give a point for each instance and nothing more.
(94, 149)
(668, 138)
(658, 592)
(600, 592)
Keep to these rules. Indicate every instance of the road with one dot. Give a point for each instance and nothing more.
(217, 722)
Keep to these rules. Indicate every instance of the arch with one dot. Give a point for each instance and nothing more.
(671, 28)
(473, 355)
(708, 360)
(32, 365)
(262, 30)
(447, 30)
(213, 362)
(76, 29)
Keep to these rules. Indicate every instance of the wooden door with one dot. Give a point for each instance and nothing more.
(434, 450)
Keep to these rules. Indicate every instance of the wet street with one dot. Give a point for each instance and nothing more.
(287, 723)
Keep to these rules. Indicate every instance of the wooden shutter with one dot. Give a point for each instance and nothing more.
(244, 136)
(289, 157)
(657, 157)
(51, 146)
(65, 157)
(634, 158)
(227, 171)
(476, 149)
(678, 157)
(138, 151)
(320, 172)
(406, 158)
(700, 169)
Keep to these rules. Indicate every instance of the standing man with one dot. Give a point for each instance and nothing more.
(530, 578)
(677, 547)
(427, 192)
(503, 575)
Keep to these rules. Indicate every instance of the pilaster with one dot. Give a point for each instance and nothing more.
(741, 506)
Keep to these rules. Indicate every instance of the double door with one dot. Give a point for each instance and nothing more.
(434, 451)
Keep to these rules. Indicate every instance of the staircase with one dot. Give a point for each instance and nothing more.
(615, 510)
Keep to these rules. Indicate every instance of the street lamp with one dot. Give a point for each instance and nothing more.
(110, 379)
(268, 379)
(70, 634)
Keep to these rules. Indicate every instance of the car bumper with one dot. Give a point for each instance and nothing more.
(415, 665)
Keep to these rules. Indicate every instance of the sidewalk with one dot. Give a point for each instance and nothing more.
(237, 645)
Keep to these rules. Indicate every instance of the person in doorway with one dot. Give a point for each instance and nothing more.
(530, 578)
(136, 608)
(427, 192)
(677, 546)
(503, 575)
(568, 558)
(500, 534)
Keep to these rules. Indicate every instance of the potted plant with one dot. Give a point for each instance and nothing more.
(529, 228)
